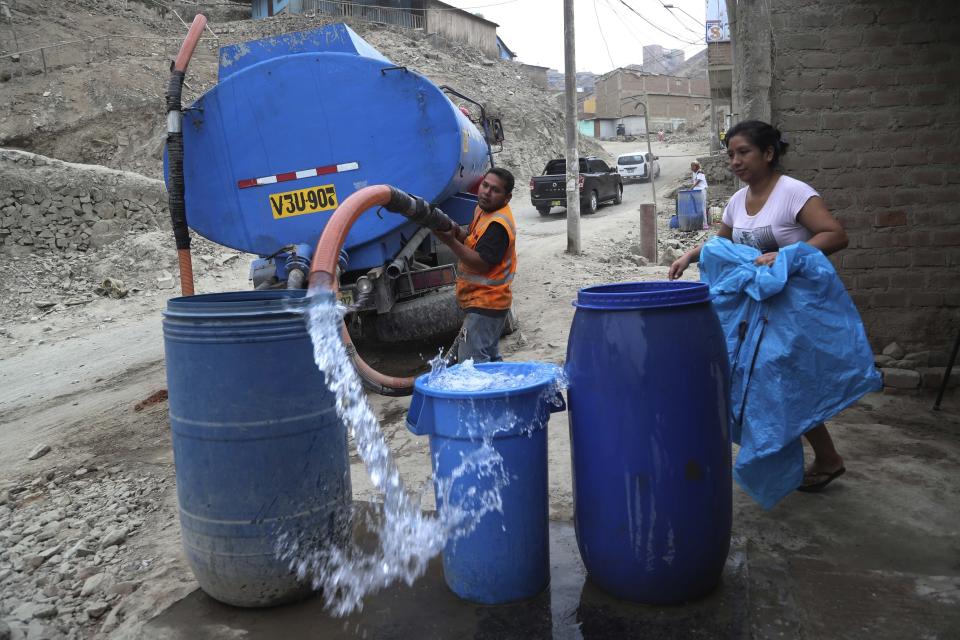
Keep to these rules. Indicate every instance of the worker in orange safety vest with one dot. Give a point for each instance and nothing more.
(488, 262)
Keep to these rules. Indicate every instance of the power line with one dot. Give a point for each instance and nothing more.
(660, 29)
(696, 20)
(667, 8)
(641, 42)
(602, 36)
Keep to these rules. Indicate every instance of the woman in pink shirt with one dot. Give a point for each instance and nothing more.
(775, 211)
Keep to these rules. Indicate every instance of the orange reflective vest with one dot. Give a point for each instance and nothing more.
(489, 289)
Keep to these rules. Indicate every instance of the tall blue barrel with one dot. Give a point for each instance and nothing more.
(507, 557)
(258, 446)
(691, 206)
(649, 379)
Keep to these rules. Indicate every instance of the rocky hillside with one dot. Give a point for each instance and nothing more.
(101, 100)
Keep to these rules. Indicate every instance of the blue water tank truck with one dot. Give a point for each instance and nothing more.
(295, 125)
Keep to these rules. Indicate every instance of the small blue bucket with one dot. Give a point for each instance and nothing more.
(506, 557)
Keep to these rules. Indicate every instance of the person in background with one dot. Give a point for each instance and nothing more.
(661, 135)
(698, 182)
(774, 211)
(488, 262)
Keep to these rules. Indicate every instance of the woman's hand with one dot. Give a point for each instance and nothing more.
(766, 259)
(679, 266)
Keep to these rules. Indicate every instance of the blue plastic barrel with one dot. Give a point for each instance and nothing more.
(691, 206)
(258, 447)
(507, 557)
(649, 379)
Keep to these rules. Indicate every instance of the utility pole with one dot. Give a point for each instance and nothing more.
(638, 102)
(573, 157)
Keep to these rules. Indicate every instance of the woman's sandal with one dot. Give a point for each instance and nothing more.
(820, 485)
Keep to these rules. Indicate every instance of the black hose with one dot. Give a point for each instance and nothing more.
(418, 210)
(175, 187)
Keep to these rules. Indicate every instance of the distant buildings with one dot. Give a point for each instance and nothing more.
(621, 94)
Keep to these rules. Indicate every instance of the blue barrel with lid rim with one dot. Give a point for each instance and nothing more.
(258, 446)
(691, 207)
(650, 442)
(506, 558)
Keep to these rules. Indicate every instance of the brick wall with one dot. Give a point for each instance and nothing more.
(613, 89)
(671, 107)
(869, 94)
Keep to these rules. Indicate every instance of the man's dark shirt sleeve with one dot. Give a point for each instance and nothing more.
(493, 244)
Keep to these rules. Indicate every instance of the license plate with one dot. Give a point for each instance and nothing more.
(555, 203)
(345, 298)
(303, 201)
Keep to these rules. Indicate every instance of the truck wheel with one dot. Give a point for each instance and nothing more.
(592, 204)
(619, 198)
(432, 314)
(544, 211)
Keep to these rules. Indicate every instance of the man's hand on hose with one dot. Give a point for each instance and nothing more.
(450, 236)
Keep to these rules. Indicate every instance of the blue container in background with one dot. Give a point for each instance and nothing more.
(258, 446)
(507, 557)
(691, 207)
(649, 382)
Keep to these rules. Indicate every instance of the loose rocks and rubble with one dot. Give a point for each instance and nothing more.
(39, 451)
(62, 252)
(65, 557)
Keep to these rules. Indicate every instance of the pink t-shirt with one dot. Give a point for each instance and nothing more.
(775, 225)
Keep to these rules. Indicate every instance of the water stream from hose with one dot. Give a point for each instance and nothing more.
(407, 537)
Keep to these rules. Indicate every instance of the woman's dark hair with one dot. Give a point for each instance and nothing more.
(761, 135)
(504, 175)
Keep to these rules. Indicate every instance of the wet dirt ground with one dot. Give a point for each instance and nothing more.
(571, 607)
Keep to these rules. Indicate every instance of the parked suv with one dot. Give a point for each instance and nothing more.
(598, 183)
(638, 165)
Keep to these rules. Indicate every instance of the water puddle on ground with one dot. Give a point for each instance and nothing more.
(407, 538)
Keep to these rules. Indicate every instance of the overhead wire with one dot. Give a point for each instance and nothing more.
(696, 21)
(658, 28)
(667, 9)
(602, 36)
(613, 9)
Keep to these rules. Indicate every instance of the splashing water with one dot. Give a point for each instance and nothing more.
(408, 539)
(466, 377)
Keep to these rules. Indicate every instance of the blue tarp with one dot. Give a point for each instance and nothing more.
(798, 356)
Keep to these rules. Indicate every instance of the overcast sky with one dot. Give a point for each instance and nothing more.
(534, 29)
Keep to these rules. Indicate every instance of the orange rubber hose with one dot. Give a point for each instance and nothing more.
(186, 272)
(190, 42)
(323, 272)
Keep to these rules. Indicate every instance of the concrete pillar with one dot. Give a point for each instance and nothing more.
(648, 232)
(752, 64)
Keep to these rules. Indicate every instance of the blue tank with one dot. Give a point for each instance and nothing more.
(507, 557)
(299, 122)
(649, 382)
(258, 447)
(691, 205)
